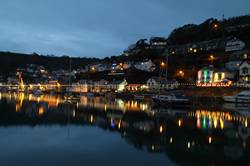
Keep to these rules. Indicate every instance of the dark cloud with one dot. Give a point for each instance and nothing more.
(99, 27)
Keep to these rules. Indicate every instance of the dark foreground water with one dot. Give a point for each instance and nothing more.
(47, 130)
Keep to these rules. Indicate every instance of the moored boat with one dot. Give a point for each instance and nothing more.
(171, 99)
(242, 97)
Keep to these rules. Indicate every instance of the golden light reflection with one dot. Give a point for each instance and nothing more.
(214, 119)
(209, 140)
(19, 103)
(161, 129)
(179, 122)
(91, 119)
(171, 140)
(41, 111)
(123, 105)
(119, 124)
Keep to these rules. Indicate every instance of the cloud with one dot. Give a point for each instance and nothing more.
(99, 28)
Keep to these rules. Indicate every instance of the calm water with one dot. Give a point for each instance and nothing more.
(47, 130)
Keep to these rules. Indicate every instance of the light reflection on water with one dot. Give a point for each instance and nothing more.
(202, 136)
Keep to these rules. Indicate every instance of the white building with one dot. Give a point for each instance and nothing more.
(244, 72)
(117, 86)
(159, 84)
(234, 45)
(148, 66)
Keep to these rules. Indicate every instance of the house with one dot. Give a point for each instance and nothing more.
(244, 72)
(117, 85)
(212, 75)
(100, 86)
(235, 59)
(148, 66)
(160, 83)
(234, 45)
(99, 68)
(158, 43)
(196, 47)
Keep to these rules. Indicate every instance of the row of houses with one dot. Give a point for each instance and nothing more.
(146, 65)
(152, 84)
(237, 67)
(227, 44)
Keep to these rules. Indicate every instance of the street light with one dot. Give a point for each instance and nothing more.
(181, 73)
(211, 58)
(163, 64)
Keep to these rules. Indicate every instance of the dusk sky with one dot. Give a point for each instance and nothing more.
(99, 28)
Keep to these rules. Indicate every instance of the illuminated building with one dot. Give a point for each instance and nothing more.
(209, 76)
(159, 83)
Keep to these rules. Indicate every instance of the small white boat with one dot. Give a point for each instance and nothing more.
(242, 97)
(171, 99)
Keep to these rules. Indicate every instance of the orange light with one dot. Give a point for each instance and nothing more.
(210, 140)
(163, 64)
(161, 129)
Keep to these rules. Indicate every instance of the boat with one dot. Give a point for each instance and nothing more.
(242, 97)
(175, 99)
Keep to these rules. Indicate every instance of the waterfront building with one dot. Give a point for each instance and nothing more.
(117, 85)
(212, 75)
(244, 72)
(160, 83)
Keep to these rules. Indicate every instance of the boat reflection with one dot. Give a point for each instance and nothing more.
(194, 136)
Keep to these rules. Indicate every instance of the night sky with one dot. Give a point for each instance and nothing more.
(99, 28)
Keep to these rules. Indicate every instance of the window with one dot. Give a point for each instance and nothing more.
(245, 70)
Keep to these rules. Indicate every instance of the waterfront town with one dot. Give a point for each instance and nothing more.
(155, 65)
(180, 97)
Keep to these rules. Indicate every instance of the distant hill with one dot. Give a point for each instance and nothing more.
(210, 29)
(9, 62)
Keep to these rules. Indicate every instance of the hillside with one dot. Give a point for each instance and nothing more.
(211, 29)
(9, 62)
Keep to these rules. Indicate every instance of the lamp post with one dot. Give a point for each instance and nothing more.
(166, 63)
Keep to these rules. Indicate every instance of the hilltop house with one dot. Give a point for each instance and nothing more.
(148, 66)
(235, 59)
(234, 45)
(196, 47)
(159, 84)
